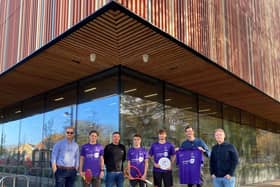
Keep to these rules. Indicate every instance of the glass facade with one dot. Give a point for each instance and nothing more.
(123, 100)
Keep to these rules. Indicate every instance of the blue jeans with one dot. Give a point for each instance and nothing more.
(223, 182)
(114, 178)
(65, 177)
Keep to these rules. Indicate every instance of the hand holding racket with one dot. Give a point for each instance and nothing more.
(137, 175)
(87, 176)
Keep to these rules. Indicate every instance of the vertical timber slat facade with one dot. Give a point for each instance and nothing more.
(241, 36)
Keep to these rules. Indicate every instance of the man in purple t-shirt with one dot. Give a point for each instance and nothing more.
(163, 155)
(91, 157)
(189, 162)
(137, 164)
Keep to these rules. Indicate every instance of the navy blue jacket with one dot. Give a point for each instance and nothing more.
(223, 159)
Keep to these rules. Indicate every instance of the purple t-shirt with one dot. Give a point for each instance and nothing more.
(137, 157)
(91, 154)
(189, 162)
(159, 151)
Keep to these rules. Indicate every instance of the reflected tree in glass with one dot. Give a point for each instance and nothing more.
(140, 116)
(100, 114)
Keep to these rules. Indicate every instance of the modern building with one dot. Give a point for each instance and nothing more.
(136, 66)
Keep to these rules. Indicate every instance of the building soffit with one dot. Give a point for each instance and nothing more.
(119, 37)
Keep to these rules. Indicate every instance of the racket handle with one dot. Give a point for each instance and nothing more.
(148, 182)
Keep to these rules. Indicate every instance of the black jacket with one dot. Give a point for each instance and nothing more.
(114, 156)
(223, 160)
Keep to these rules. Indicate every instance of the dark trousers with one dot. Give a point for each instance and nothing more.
(192, 185)
(166, 177)
(133, 183)
(65, 177)
(96, 182)
(114, 179)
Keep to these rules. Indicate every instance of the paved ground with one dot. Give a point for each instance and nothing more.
(273, 183)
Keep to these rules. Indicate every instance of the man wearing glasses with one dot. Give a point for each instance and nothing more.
(65, 159)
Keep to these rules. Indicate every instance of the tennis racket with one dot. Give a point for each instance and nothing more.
(138, 176)
(87, 176)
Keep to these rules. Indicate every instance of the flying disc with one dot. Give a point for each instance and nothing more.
(164, 163)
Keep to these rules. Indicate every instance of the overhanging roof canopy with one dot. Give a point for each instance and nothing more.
(117, 36)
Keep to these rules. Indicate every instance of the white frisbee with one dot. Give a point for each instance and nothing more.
(164, 163)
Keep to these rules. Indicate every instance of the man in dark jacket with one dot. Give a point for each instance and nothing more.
(223, 161)
(114, 157)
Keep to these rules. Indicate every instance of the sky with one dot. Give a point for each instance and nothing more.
(102, 111)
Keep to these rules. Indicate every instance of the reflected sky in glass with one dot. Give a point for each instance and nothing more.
(11, 133)
(102, 111)
(56, 120)
(31, 129)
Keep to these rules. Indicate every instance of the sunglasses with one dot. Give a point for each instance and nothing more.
(69, 132)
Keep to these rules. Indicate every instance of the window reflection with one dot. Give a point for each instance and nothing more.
(209, 119)
(61, 113)
(101, 115)
(231, 121)
(141, 109)
(10, 132)
(248, 150)
(180, 111)
(54, 125)
(98, 107)
(30, 138)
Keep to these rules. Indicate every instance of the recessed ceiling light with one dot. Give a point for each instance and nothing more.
(92, 57)
(131, 90)
(151, 95)
(58, 99)
(204, 110)
(90, 89)
(18, 111)
(145, 58)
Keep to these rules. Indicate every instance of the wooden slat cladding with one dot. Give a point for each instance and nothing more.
(119, 38)
(242, 36)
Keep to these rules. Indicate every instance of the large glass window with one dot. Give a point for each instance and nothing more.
(31, 133)
(10, 139)
(141, 108)
(247, 151)
(98, 108)
(30, 137)
(61, 112)
(231, 122)
(209, 112)
(31, 142)
(268, 143)
(261, 140)
(180, 111)
(209, 119)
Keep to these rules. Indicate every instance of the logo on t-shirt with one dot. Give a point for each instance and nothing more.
(141, 159)
(192, 160)
(96, 155)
